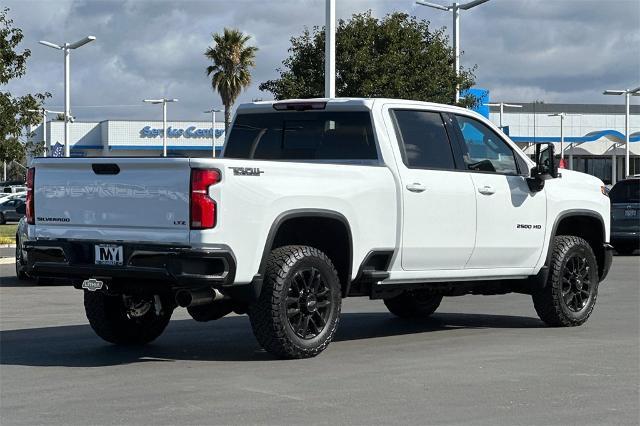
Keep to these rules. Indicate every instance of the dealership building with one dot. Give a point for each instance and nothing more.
(593, 135)
(594, 140)
(134, 138)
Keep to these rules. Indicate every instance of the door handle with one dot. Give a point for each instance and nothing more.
(416, 187)
(487, 190)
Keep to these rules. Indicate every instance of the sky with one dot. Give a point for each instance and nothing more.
(565, 51)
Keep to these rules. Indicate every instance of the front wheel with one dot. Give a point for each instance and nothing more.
(572, 287)
(127, 320)
(297, 312)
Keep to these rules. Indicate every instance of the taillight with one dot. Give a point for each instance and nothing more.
(31, 212)
(203, 208)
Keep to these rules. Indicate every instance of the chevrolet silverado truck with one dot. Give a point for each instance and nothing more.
(313, 201)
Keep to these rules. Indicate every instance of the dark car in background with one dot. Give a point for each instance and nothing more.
(8, 208)
(625, 215)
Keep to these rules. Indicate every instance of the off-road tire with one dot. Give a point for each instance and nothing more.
(269, 314)
(549, 302)
(20, 274)
(108, 318)
(413, 304)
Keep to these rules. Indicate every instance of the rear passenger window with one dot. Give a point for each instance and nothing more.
(425, 143)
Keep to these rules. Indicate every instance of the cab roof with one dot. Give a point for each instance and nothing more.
(339, 104)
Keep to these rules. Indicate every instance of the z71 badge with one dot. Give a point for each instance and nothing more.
(246, 171)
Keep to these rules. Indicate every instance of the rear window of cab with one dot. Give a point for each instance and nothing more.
(303, 136)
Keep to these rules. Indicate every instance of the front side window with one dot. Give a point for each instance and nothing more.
(424, 140)
(484, 150)
(305, 136)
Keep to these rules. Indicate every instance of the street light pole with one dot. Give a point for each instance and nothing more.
(455, 9)
(213, 129)
(330, 50)
(562, 115)
(162, 101)
(67, 48)
(627, 94)
(502, 105)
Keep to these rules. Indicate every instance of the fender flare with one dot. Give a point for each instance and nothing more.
(568, 213)
(298, 213)
(541, 278)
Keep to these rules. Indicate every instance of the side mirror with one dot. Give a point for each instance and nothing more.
(21, 209)
(546, 166)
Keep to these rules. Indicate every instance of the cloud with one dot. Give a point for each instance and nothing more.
(557, 51)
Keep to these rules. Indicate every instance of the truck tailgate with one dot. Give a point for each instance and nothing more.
(115, 199)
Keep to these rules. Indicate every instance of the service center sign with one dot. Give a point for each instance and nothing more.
(190, 132)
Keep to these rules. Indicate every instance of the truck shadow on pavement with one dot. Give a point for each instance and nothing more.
(228, 339)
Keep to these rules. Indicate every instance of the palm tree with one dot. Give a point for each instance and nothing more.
(230, 73)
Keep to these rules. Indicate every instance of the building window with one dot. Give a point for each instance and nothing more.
(596, 166)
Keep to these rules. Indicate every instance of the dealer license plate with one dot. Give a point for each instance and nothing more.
(630, 213)
(108, 254)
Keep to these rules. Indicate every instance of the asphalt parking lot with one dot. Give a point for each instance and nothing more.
(479, 360)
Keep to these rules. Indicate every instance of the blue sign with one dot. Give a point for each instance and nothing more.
(482, 95)
(190, 132)
(57, 150)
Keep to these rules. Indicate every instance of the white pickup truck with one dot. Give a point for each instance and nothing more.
(313, 201)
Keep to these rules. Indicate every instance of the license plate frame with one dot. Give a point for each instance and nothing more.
(109, 254)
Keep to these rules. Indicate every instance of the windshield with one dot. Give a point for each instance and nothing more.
(317, 135)
(626, 191)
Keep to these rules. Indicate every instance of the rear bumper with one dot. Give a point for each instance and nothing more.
(178, 266)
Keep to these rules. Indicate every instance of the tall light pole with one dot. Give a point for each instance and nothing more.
(562, 116)
(44, 113)
(67, 48)
(330, 50)
(502, 105)
(455, 9)
(213, 129)
(627, 93)
(162, 101)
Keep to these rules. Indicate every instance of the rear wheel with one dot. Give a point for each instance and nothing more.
(413, 304)
(127, 320)
(297, 312)
(22, 276)
(572, 287)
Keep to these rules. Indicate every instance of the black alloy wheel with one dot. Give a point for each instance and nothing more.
(308, 303)
(576, 283)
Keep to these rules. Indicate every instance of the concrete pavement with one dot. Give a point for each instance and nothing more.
(479, 360)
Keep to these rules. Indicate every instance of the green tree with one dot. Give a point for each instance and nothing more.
(230, 72)
(397, 57)
(14, 114)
